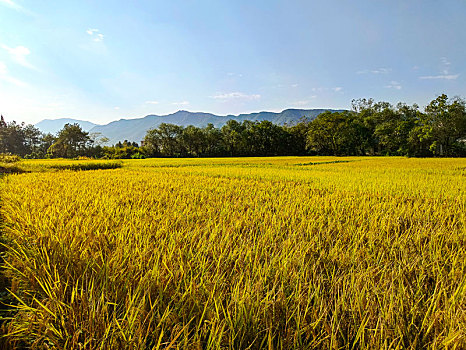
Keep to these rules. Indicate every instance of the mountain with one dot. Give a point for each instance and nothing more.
(54, 125)
(135, 129)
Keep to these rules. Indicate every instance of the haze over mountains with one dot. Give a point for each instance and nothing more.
(54, 125)
(135, 129)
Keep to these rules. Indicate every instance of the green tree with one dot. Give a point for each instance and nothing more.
(194, 141)
(444, 125)
(369, 115)
(13, 138)
(45, 141)
(233, 138)
(393, 126)
(166, 140)
(32, 139)
(213, 140)
(335, 133)
(297, 137)
(268, 139)
(72, 141)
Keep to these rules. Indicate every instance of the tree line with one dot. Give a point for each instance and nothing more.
(370, 128)
(25, 140)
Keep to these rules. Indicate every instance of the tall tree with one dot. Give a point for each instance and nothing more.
(12, 139)
(335, 133)
(445, 124)
(393, 125)
(213, 140)
(165, 140)
(72, 141)
(297, 137)
(233, 138)
(194, 141)
(32, 138)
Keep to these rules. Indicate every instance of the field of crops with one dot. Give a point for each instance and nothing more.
(236, 253)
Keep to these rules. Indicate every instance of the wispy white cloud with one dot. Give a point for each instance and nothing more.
(281, 86)
(11, 4)
(236, 96)
(321, 89)
(5, 76)
(375, 71)
(445, 63)
(95, 34)
(302, 103)
(152, 102)
(394, 85)
(116, 108)
(381, 71)
(8, 3)
(441, 76)
(19, 55)
(445, 72)
(99, 37)
(182, 103)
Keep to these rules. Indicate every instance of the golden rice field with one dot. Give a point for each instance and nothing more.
(236, 253)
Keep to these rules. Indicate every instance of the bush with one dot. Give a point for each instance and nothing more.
(87, 166)
(9, 158)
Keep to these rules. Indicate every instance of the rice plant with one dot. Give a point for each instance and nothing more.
(230, 253)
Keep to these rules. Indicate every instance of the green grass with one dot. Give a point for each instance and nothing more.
(87, 166)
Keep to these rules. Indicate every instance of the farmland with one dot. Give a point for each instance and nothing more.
(236, 253)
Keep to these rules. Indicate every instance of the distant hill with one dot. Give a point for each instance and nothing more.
(54, 125)
(135, 129)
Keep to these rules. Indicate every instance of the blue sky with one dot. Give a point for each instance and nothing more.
(105, 60)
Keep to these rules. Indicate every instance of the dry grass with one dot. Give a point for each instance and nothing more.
(275, 253)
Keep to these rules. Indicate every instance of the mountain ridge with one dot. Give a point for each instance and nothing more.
(135, 129)
(54, 125)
